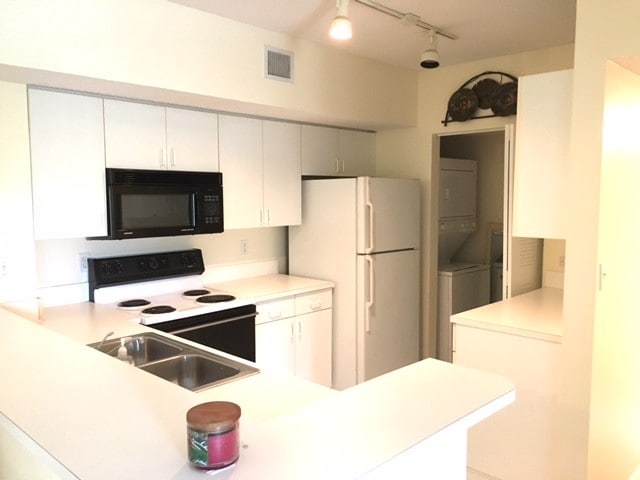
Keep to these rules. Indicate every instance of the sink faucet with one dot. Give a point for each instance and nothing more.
(103, 340)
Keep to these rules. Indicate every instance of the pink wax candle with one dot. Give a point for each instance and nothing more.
(213, 434)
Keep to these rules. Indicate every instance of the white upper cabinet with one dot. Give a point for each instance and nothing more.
(260, 164)
(154, 137)
(282, 177)
(67, 165)
(241, 167)
(330, 151)
(542, 155)
(355, 152)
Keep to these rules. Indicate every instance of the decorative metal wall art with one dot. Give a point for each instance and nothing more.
(494, 91)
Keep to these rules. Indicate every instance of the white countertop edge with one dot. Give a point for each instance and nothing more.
(536, 314)
(521, 332)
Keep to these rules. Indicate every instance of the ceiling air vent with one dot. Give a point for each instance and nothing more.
(278, 64)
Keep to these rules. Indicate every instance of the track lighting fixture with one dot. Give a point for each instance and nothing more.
(341, 25)
(430, 57)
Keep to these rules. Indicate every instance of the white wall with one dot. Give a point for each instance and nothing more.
(602, 435)
(408, 152)
(159, 50)
(614, 431)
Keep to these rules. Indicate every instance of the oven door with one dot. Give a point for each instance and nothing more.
(231, 331)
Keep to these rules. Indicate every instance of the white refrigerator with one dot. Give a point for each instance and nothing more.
(363, 234)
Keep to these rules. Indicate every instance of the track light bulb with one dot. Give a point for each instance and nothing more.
(341, 25)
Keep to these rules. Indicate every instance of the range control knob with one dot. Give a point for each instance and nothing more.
(153, 263)
(188, 259)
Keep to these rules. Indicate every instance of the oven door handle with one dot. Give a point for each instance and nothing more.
(210, 324)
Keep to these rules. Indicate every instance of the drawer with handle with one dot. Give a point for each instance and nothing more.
(275, 310)
(313, 301)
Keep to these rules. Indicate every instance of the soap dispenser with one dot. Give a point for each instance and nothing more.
(122, 352)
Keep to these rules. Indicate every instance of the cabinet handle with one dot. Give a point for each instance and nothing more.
(162, 157)
(299, 331)
(342, 162)
(315, 305)
(172, 157)
(275, 315)
(337, 169)
(292, 333)
(260, 214)
(268, 216)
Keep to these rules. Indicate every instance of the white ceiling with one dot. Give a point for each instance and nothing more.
(485, 28)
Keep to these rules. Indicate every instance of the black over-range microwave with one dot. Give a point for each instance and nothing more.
(158, 203)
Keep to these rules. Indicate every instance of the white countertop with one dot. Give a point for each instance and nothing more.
(536, 314)
(103, 419)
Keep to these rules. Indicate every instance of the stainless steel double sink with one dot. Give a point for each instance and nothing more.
(177, 362)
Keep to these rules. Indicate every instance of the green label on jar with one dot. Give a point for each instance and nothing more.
(198, 448)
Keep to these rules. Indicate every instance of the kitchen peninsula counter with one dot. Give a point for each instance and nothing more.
(99, 418)
(536, 314)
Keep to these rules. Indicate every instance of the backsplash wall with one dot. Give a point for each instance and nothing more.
(58, 261)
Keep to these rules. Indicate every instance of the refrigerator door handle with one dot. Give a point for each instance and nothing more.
(369, 303)
(369, 205)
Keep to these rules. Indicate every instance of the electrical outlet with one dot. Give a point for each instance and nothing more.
(3, 268)
(244, 246)
(82, 261)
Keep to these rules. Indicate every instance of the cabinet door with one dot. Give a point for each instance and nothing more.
(355, 152)
(542, 155)
(313, 346)
(135, 135)
(67, 165)
(282, 183)
(192, 140)
(275, 347)
(319, 151)
(241, 167)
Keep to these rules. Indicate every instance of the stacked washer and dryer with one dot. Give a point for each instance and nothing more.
(461, 285)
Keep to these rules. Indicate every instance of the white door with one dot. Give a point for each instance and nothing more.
(241, 167)
(355, 152)
(134, 135)
(67, 165)
(388, 312)
(388, 214)
(192, 140)
(313, 346)
(275, 346)
(282, 184)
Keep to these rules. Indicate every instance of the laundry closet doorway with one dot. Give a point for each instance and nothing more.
(487, 263)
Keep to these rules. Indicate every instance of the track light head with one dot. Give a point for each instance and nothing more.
(341, 25)
(430, 57)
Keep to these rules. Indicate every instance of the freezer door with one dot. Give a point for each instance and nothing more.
(388, 312)
(388, 214)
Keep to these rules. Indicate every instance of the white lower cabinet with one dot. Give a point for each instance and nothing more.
(293, 336)
(520, 441)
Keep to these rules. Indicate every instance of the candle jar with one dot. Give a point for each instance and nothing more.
(213, 434)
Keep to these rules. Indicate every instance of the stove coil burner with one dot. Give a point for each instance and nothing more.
(158, 309)
(134, 303)
(195, 293)
(215, 298)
